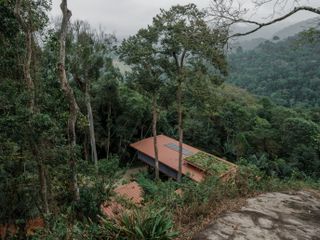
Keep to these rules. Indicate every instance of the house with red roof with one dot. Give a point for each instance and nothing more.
(168, 154)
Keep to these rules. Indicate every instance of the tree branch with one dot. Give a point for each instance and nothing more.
(176, 60)
(261, 25)
(182, 57)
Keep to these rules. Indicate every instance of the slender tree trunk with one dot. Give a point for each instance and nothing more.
(44, 186)
(85, 148)
(31, 105)
(180, 128)
(91, 128)
(27, 29)
(42, 177)
(108, 130)
(141, 132)
(26, 71)
(68, 92)
(154, 132)
(179, 103)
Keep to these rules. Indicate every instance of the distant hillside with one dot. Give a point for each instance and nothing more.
(280, 30)
(287, 71)
(247, 44)
(298, 27)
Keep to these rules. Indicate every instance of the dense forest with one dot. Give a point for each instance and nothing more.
(284, 69)
(68, 115)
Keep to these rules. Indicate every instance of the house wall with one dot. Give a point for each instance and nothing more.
(162, 167)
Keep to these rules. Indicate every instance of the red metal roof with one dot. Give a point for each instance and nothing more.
(131, 191)
(169, 156)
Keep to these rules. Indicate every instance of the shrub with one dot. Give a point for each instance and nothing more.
(160, 193)
(149, 186)
(91, 199)
(140, 224)
(96, 187)
(199, 192)
(248, 179)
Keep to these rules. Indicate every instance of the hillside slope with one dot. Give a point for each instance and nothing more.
(287, 71)
(282, 30)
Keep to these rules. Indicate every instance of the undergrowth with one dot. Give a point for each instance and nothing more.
(170, 206)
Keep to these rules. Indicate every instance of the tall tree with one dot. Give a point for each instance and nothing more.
(89, 56)
(106, 91)
(70, 97)
(190, 50)
(138, 51)
(31, 18)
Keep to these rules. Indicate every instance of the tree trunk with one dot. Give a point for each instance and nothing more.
(44, 186)
(31, 106)
(26, 71)
(85, 148)
(91, 128)
(154, 132)
(179, 103)
(68, 92)
(180, 129)
(108, 130)
(27, 29)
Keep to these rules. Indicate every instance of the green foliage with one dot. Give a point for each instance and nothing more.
(286, 70)
(160, 193)
(148, 185)
(179, 30)
(147, 224)
(139, 53)
(200, 193)
(96, 187)
(63, 227)
(280, 145)
(236, 125)
(297, 131)
(209, 163)
(90, 202)
(144, 224)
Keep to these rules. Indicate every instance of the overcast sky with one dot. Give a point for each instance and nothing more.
(125, 17)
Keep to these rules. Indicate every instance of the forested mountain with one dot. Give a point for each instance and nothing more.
(294, 29)
(287, 70)
(69, 112)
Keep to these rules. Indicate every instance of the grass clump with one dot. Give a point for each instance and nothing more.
(139, 224)
(209, 163)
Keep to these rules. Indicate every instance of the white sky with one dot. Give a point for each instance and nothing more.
(125, 17)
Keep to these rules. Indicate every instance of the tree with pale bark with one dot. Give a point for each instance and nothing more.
(190, 51)
(32, 18)
(71, 99)
(139, 53)
(88, 55)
